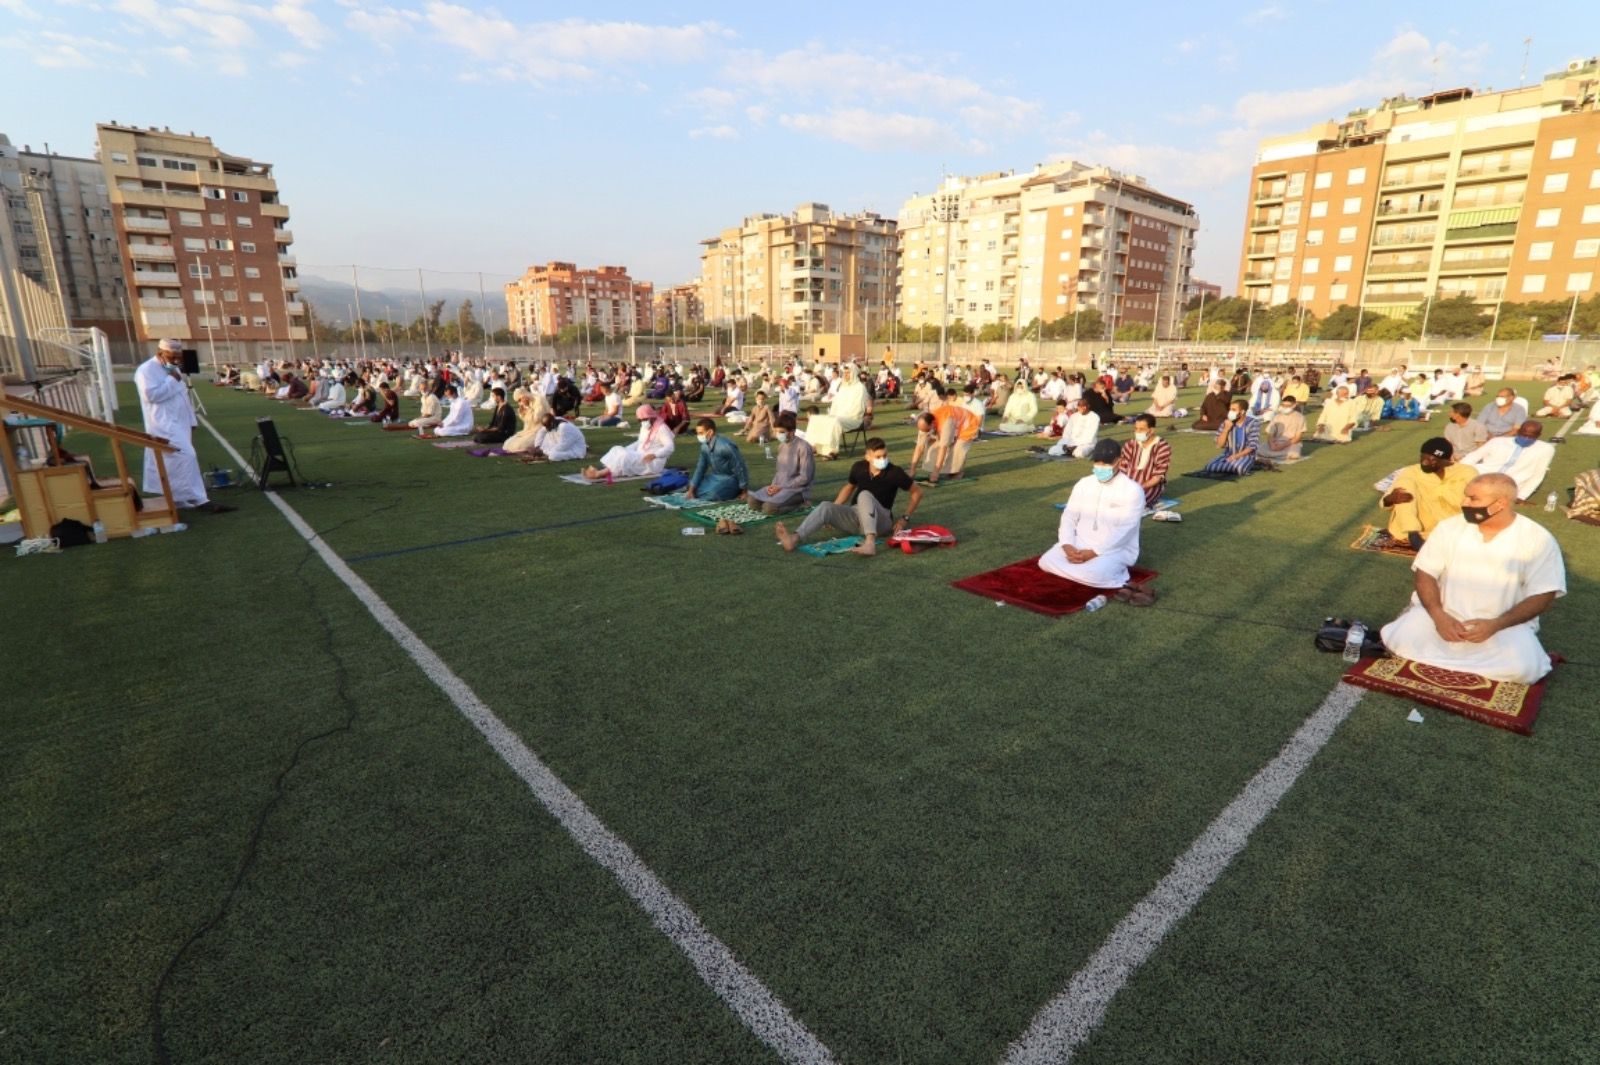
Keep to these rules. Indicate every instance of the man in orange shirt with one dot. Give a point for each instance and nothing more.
(948, 431)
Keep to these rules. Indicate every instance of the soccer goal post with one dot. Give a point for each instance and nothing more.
(669, 349)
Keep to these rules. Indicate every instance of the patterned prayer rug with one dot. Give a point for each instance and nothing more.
(1377, 540)
(678, 501)
(1501, 703)
(742, 514)
(1024, 584)
(578, 478)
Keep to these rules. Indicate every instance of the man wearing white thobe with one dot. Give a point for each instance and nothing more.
(1077, 439)
(164, 400)
(458, 419)
(1482, 580)
(1523, 457)
(850, 406)
(1099, 534)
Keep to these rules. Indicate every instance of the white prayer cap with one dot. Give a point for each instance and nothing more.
(170, 345)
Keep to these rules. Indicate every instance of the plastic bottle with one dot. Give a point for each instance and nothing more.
(767, 451)
(99, 531)
(24, 457)
(1094, 604)
(694, 530)
(1550, 502)
(1353, 641)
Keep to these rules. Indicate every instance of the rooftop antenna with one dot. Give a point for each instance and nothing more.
(1527, 43)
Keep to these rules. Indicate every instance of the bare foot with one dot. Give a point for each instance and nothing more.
(867, 548)
(785, 537)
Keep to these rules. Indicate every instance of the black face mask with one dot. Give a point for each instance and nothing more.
(1475, 515)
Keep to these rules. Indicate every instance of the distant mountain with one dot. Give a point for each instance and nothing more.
(336, 301)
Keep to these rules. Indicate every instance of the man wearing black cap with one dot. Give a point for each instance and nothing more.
(1425, 494)
(1099, 534)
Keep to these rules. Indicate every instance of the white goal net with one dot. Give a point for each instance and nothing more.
(687, 350)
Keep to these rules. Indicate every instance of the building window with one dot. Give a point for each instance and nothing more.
(259, 322)
(1532, 283)
(1065, 256)
(1313, 238)
(219, 244)
(1338, 292)
(145, 160)
(204, 295)
(212, 194)
(199, 270)
(1586, 249)
(1591, 214)
(193, 244)
(1579, 282)
(1347, 234)
(217, 218)
(230, 295)
(1352, 205)
(192, 218)
(252, 272)
(247, 247)
(1308, 293)
(1319, 209)
(225, 270)
(235, 319)
(1548, 218)
(119, 157)
(1555, 183)
(1357, 176)
(1563, 149)
(1323, 180)
(1310, 266)
(1539, 251)
(241, 197)
(1341, 263)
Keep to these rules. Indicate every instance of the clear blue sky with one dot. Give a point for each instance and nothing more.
(461, 136)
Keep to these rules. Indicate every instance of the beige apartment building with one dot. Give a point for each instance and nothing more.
(813, 271)
(679, 306)
(56, 216)
(205, 243)
(547, 299)
(1008, 248)
(1491, 195)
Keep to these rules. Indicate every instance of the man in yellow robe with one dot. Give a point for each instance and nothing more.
(1425, 494)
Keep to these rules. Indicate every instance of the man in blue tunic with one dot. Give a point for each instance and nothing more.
(1237, 440)
(721, 473)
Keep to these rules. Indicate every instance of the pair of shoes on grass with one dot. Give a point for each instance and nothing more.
(729, 527)
(1134, 595)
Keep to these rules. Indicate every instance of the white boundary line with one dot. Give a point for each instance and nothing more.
(1072, 1016)
(750, 1000)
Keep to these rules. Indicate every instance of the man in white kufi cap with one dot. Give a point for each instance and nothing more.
(164, 399)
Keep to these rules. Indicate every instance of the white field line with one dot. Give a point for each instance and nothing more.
(1072, 1016)
(750, 1000)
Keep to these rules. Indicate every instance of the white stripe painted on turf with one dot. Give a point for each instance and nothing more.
(750, 1000)
(1072, 1016)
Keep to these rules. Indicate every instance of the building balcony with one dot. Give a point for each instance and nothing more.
(1395, 297)
(1399, 268)
(1259, 225)
(286, 260)
(135, 224)
(297, 332)
(1258, 279)
(274, 210)
(291, 284)
(294, 307)
(1402, 240)
(1262, 253)
(186, 200)
(160, 303)
(1476, 266)
(162, 252)
(1490, 173)
(1419, 181)
(283, 236)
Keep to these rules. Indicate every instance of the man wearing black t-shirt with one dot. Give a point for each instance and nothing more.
(874, 482)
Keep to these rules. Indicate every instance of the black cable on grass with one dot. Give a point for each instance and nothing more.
(158, 1038)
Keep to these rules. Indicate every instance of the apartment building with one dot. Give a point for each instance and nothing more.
(547, 299)
(678, 306)
(1491, 195)
(57, 215)
(812, 271)
(205, 243)
(1008, 248)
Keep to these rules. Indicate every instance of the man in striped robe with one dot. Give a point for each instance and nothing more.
(1145, 459)
(1237, 440)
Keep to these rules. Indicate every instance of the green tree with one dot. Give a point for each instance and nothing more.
(571, 334)
(1136, 331)
(1341, 324)
(958, 331)
(1218, 331)
(1290, 327)
(1085, 324)
(1457, 316)
(1393, 329)
(994, 332)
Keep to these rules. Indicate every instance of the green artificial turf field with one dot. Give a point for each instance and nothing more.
(239, 824)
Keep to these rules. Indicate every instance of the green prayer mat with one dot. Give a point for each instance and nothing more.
(837, 546)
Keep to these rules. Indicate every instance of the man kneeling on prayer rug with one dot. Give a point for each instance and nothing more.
(1482, 580)
(1098, 538)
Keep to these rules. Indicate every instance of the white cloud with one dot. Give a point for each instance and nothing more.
(1269, 13)
(758, 114)
(20, 9)
(303, 25)
(290, 60)
(720, 133)
(711, 98)
(877, 130)
(383, 25)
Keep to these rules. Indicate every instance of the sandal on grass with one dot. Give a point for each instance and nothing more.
(1134, 595)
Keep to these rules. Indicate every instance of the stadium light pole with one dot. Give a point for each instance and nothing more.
(1566, 338)
(947, 209)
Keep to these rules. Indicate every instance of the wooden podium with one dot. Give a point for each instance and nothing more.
(46, 494)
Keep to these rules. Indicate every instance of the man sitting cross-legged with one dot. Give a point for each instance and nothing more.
(1338, 418)
(1238, 439)
(1077, 439)
(1098, 538)
(431, 415)
(874, 482)
(502, 423)
(1146, 458)
(1425, 494)
(1523, 457)
(791, 481)
(1281, 442)
(458, 418)
(1482, 580)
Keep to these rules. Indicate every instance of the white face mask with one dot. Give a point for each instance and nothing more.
(1502, 401)
(1233, 415)
(1141, 437)
(782, 437)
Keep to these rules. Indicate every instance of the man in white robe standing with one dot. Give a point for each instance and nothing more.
(1482, 580)
(168, 414)
(1099, 533)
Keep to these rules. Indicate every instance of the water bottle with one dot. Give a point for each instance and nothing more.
(24, 457)
(1353, 641)
(1094, 604)
(1550, 503)
(99, 531)
(768, 452)
(694, 530)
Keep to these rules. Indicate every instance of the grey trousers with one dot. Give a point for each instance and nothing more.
(866, 516)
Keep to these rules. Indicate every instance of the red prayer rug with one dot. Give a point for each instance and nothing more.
(1024, 584)
(1375, 539)
(1501, 703)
